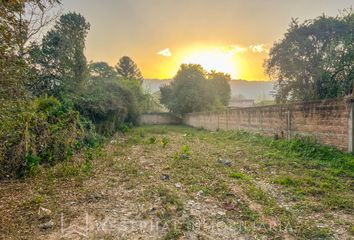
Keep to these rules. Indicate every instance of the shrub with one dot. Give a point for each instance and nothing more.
(108, 104)
(42, 132)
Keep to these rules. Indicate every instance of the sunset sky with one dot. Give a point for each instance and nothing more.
(233, 36)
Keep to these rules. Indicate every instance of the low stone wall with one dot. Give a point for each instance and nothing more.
(328, 121)
(159, 118)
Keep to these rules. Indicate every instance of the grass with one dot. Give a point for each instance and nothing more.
(239, 175)
(296, 188)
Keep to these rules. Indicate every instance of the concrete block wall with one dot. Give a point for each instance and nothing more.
(328, 121)
(159, 119)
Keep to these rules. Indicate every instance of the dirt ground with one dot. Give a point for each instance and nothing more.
(170, 182)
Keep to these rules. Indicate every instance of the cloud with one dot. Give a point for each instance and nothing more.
(234, 49)
(258, 48)
(166, 53)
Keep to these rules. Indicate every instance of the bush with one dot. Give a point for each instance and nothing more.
(42, 132)
(110, 104)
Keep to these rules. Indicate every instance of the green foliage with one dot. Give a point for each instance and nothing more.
(185, 149)
(238, 175)
(125, 127)
(43, 132)
(286, 181)
(315, 59)
(325, 156)
(32, 162)
(351, 230)
(46, 130)
(220, 84)
(194, 90)
(99, 70)
(152, 140)
(109, 103)
(303, 148)
(164, 141)
(135, 88)
(185, 152)
(128, 69)
(60, 62)
(17, 27)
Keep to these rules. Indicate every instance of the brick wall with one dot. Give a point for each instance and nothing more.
(159, 118)
(328, 121)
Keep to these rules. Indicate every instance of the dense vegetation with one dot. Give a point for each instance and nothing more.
(194, 90)
(52, 103)
(315, 59)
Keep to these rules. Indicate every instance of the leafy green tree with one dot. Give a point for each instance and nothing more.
(314, 60)
(20, 21)
(101, 70)
(190, 91)
(128, 69)
(60, 60)
(221, 84)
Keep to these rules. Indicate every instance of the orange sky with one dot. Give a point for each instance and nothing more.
(233, 36)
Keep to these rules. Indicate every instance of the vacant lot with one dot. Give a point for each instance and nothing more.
(169, 182)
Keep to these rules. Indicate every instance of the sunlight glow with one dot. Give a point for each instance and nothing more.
(214, 59)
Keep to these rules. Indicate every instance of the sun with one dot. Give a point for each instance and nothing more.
(214, 59)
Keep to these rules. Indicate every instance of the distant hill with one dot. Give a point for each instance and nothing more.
(153, 85)
(258, 90)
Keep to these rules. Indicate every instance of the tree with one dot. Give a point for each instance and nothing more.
(127, 68)
(60, 60)
(314, 60)
(190, 91)
(101, 70)
(20, 21)
(221, 84)
(107, 104)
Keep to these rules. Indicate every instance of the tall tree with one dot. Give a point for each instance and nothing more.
(127, 68)
(21, 20)
(60, 60)
(314, 60)
(190, 91)
(221, 85)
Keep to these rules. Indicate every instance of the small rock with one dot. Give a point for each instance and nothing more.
(184, 156)
(44, 213)
(200, 193)
(178, 185)
(221, 213)
(224, 162)
(229, 206)
(47, 225)
(165, 177)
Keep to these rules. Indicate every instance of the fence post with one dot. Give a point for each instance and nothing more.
(289, 124)
(227, 119)
(351, 127)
